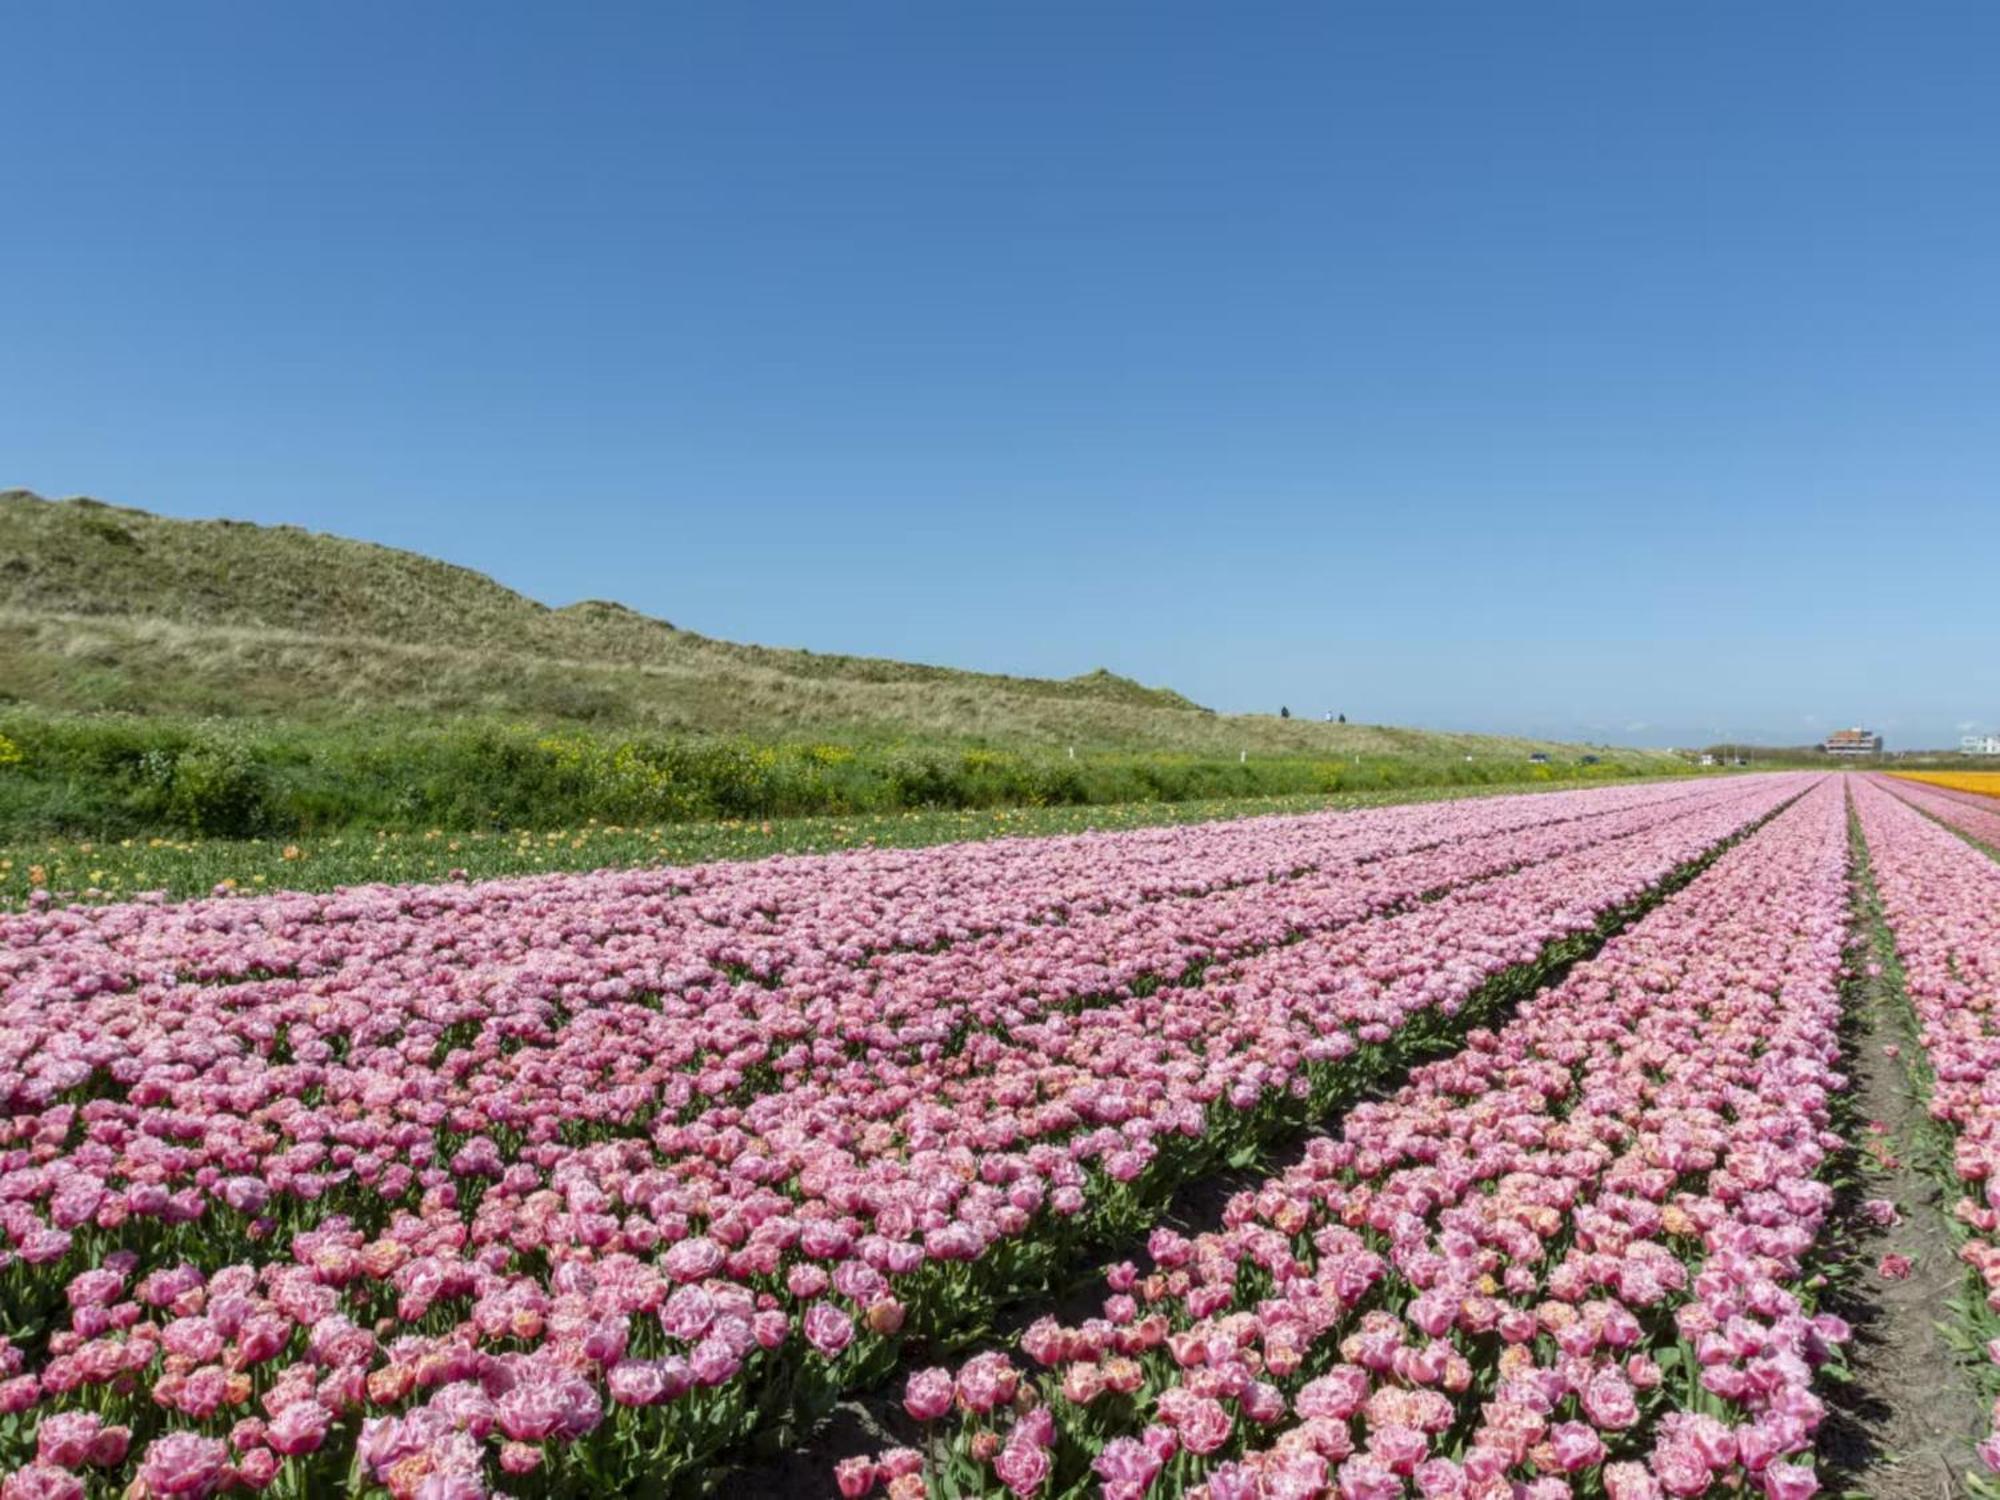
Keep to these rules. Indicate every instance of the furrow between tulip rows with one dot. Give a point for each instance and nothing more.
(471, 1197)
(1570, 1259)
(1941, 898)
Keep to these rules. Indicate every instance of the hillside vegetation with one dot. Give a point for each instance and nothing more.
(111, 608)
(222, 677)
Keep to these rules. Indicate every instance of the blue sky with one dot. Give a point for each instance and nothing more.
(1610, 370)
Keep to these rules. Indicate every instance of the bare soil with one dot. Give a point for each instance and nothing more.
(1903, 1427)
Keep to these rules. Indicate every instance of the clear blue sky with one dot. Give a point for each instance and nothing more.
(1606, 369)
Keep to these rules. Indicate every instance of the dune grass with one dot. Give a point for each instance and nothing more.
(105, 609)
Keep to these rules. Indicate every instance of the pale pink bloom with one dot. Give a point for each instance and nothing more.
(828, 1329)
(1577, 1446)
(928, 1394)
(1022, 1467)
(183, 1463)
(40, 1481)
(299, 1428)
(64, 1439)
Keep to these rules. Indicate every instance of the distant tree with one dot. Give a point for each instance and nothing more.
(1284, 713)
(1343, 718)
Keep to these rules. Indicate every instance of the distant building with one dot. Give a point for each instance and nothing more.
(1853, 742)
(1980, 744)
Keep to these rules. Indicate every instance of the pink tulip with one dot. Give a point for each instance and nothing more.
(40, 1481)
(1577, 1446)
(828, 1329)
(721, 1099)
(855, 1477)
(183, 1463)
(299, 1428)
(1204, 1427)
(1126, 1461)
(1790, 1482)
(65, 1439)
(1022, 1467)
(928, 1395)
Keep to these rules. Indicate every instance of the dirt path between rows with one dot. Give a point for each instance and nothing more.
(1904, 1426)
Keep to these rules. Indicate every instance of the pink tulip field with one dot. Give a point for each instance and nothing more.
(603, 1183)
(1968, 813)
(1588, 1225)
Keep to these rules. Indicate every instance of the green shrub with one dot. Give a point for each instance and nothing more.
(119, 776)
(214, 784)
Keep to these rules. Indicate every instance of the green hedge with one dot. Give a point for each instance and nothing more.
(120, 777)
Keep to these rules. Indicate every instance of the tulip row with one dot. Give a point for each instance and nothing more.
(531, 1177)
(1570, 1259)
(670, 929)
(1941, 898)
(1975, 816)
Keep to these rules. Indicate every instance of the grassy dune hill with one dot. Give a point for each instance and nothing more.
(217, 678)
(238, 617)
(107, 608)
